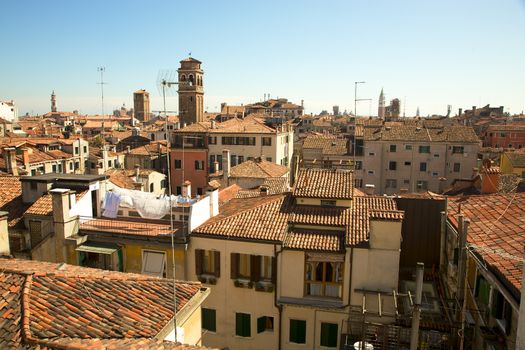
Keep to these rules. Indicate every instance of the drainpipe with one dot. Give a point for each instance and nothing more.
(350, 287)
(279, 307)
(443, 242)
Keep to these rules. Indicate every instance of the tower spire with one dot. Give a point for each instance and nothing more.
(53, 102)
(381, 105)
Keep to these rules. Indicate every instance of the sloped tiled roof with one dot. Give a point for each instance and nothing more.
(496, 232)
(44, 205)
(261, 218)
(258, 169)
(332, 241)
(330, 145)
(268, 218)
(11, 199)
(47, 305)
(416, 133)
(324, 183)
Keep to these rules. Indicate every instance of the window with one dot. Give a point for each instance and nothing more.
(266, 141)
(510, 145)
(199, 191)
(502, 311)
(436, 155)
(242, 325)
(266, 268)
(424, 149)
(297, 331)
(199, 165)
(393, 148)
(408, 163)
(240, 159)
(54, 167)
(457, 167)
(422, 185)
(457, 149)
(408, 147)
(178, 164)
(370, 172)
(358, 183)
(268, 159)
(85, 149)
(154, 263)
(35, 231)
(328, 203)
(212, 140)
(482, 292)
(329, 335)
(423, 166)
(324, 278)
(178, 190)
(265, 324)
(151, 187)
(209, 319)
(109, 164)
(76, 150)
(358, 165)
(371, 154)
(207, 262)
(70, 166)
(406, 182)
(391, 183)
(435, 173)
(392, 165)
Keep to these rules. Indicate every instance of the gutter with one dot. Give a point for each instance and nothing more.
(279, 307)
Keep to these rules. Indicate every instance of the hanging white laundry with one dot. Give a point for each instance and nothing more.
(146, 204)
(111, 204)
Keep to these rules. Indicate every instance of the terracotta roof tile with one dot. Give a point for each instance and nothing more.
(258, 169)
(315, 240)
(11, 199)
(44, 205)
(324, 183)
(129, 227)
(46, 304)
(498, 240)
(330, 145)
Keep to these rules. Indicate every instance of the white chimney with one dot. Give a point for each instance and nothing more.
(4, 234)
(186, 189)
(226, 165)
(369, 189)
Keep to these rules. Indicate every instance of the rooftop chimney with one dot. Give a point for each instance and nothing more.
(490, 177)
(186, 189)
(10, 160)
(225, 165)
(25, 156)
(4, 235)
(369, 189)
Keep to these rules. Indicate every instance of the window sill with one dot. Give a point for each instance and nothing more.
(208, 279)
(264, 286)
(242, 283)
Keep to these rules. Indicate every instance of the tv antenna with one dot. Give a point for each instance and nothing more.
(101, 70)
(166, 79)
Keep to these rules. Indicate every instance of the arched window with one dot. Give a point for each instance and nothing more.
(191, 79)
(151, 187)
(183, 78)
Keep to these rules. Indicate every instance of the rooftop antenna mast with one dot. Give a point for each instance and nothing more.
(102, 83)
(166, 79)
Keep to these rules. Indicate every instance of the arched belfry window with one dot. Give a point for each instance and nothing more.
(191, 79)
(183, 78)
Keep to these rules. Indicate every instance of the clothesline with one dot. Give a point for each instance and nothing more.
(148, 205)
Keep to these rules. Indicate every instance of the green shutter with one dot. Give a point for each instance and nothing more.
(242, 325)
(329, 335)
(209, 320)
(298, 331)
(261, 324)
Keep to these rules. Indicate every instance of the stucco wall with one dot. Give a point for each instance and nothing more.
(227, 299)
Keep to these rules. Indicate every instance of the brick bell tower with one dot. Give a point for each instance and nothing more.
(191, 91)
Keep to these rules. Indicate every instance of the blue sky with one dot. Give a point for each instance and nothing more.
(427, 53)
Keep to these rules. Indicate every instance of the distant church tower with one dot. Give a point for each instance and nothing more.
(417, 111)
(53, 102)
(191, 91)
(381, 106)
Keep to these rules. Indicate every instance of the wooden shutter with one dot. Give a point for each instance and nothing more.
(274, 270)
(217, 257)
(255, 267)
(234, 264)
(199, 253)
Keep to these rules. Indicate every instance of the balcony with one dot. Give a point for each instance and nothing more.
(128, 226)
